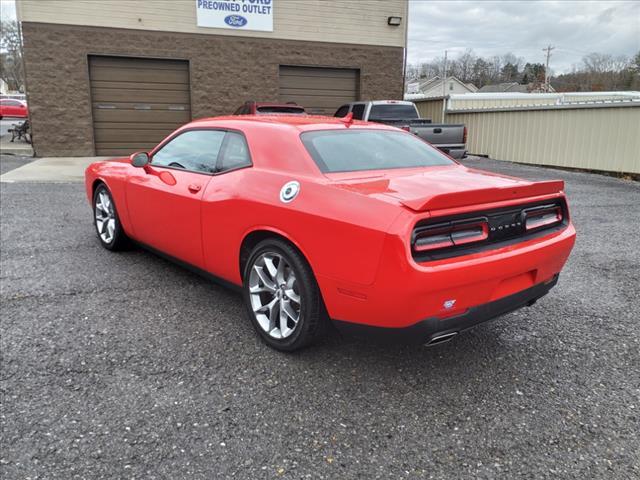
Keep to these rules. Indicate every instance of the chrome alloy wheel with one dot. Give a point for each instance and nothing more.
(105, 217)
(274, 295)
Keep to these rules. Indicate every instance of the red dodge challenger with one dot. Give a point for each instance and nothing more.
(320, 219)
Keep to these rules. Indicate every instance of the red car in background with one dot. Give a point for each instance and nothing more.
(318, 218)
(10, 107)
(265, 108)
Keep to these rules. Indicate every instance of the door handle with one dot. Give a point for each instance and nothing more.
(193, 188)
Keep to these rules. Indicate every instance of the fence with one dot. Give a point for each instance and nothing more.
(594, 131)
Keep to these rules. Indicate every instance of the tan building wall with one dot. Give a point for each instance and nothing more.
(482, 101)
(224, 72)
(596, 138)
(340, 21)
(431, 108)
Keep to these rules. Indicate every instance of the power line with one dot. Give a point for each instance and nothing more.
(546, 70)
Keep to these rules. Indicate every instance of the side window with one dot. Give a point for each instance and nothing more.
(235, 153)
(342, 111)
(239, 111)
(358, 111)
(194, 150)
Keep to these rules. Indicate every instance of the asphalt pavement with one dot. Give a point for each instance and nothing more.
(127, 366)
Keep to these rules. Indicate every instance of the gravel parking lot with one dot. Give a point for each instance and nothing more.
(126, 366)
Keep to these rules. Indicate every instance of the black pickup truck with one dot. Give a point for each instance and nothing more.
(450, 138)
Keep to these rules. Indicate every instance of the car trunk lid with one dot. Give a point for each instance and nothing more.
(434, 188)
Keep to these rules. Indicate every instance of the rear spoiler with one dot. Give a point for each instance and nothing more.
(483, 195)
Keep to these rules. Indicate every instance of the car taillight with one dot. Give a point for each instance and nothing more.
(406, 128)
(450, 234)
(464, 135)
(543, 216)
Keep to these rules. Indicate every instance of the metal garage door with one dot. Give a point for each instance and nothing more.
(137, 102)
(319, 90)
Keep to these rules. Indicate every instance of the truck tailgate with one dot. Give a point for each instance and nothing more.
(440, 134)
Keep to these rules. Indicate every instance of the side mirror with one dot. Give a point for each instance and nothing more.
(139, 159)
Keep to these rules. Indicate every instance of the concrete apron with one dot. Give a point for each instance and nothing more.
(51, 170)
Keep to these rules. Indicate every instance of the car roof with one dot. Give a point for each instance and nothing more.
(296, 122)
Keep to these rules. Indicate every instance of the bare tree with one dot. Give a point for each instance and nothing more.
(465, 65)
(11, 69)
(596, 72)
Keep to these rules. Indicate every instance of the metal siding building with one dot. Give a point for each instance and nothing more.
(596, 131)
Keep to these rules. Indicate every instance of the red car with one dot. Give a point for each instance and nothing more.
(10, 107)
(316, 218)
(265, 108)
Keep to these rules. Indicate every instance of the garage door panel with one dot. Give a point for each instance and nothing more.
(322, 102)
(303, 92)
(323, 72)
(139, 106)
(122, 150)
(137, 102)
(128, 135)
(327, 83)
(320, 90)
(124, 62)
(132, 75)
(141, 86)
(144, 116)
(131, 95)
(163, 126)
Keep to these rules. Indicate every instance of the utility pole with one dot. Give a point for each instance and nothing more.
(546, 70)
(444, 85)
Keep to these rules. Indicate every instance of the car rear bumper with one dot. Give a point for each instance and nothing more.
(404, 292)
(432, 328)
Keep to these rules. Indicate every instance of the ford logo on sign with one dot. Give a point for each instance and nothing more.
(235, 21)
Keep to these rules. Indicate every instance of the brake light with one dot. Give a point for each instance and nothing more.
(451, 234)
(540, 217)
(406, 128)
(470, 232)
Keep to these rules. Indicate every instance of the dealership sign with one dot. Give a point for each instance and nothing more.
(235, 14)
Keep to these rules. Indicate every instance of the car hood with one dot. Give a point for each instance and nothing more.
(434, 188)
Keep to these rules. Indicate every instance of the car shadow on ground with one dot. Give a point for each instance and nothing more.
(428, 365)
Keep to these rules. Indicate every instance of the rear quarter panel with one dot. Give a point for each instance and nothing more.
(340, 233)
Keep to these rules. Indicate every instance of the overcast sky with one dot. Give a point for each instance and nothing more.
(524, 28)
(7, 9)
(490, 28)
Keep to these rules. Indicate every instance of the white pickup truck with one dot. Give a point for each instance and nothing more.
(450, 138)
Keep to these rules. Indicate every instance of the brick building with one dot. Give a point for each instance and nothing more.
(115, 76)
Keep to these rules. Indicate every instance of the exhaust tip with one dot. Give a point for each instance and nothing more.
(440, 339)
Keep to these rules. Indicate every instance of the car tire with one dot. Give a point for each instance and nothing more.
(277, 274)
(106, 220)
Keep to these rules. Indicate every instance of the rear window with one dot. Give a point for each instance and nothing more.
(357, 150)
(392, 112)
(283, 109)
(358, 111)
